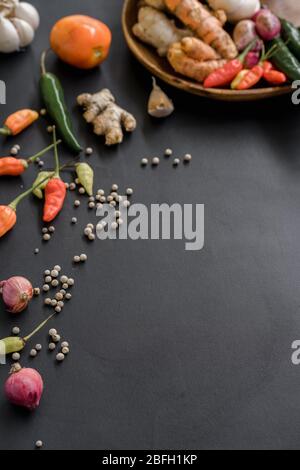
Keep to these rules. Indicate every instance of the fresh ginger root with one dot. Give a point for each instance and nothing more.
(189, 67)
(155, 28)
(205, 25)
(107, 117)
(198, 50)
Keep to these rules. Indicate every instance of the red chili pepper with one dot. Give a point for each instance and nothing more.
(55, 191)
(10, 166)
(224, 75)
(251, 78)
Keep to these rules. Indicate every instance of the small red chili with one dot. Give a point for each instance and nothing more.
(55, 191)
(224, 75)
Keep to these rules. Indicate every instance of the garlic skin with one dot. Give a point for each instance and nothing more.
(9, 38)
(27, 12)
(24, 387)
(16, 293)
(24, 30)
(159, 105)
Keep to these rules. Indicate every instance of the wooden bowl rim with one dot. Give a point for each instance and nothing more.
(187, 85)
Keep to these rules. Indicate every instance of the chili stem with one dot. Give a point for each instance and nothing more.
(242, 56)
(43, 62)
(55, 153)
(42, 152)
(5, 131)
(22, 196)
(27, 338)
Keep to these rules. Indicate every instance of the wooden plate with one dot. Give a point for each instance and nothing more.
(161, 68)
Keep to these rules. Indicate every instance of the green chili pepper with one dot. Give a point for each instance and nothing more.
(86, 177)
(284, 59)
(53, 96)
(43, 177)
(291, 34)
(13, 344)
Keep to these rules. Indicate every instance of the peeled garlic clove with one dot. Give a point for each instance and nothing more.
(25, 31)
(27, 12)
(159, 104)
(9, 38)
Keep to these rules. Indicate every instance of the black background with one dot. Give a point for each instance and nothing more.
(170, 349)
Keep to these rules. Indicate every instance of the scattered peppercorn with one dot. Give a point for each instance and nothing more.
(16, 357)
(16, 330)
(89, 151)
(60, 357)
(187, 158)
(155, 161)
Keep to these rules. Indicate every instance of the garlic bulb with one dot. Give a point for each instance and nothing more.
(27, 12)
(18, 22)
(9, 38)
(236, 10)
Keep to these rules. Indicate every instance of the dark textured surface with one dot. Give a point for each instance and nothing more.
(170, 349)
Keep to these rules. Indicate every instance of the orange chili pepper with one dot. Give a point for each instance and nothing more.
(8, 214)
(8, 219)
(55, 191)
(251, 78)
(18, 121)
(10, 166)
(273, 76)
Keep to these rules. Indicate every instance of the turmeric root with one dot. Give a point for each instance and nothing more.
(189, 67)
(107, 117)
(205, 24)
(198, 50)
(155, 28)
